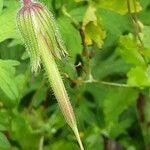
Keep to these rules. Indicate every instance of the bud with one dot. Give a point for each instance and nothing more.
(34, 19)
(44, 45)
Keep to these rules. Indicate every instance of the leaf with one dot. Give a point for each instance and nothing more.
(115, 25)
(92, 27)
(90, 16)
(8, 22)
(144, 3)
(139, 77)
(1, 6)
(70, 36)
(145, 35)
(117, 101)
(120, 6)
(2, 127)
(62, 144)
(7, 83)
(78, 13)
(21, 129)
(110, 66)
(120, 127)
(94, 141)
(94, 33)
(4, 143)
(130, 50)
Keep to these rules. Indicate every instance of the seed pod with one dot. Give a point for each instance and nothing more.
(34, 19)
(44, 45)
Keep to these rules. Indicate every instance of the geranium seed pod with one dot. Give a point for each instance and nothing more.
(34, 19)
(44, 44)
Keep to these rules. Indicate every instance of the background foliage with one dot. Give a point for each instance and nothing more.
(107, 77)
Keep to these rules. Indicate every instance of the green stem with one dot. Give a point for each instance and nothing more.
(41, 143)
(58, 87)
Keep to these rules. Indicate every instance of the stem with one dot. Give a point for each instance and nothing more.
(58, 87)
(41, 143)
(76, 132)
(134, 20)
(26, 2)
(92, 80)
(108, 83)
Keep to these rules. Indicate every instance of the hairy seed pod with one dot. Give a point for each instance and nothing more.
(34, 19)
(44, 45)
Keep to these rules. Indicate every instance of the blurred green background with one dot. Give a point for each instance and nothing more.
(107, 77)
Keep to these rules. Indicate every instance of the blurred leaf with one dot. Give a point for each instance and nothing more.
(92, 28)
(146, 36)
(129, 50)
(120, 6)
(21, 129)
(115, 25)
(94, 141)
(139, 77)
(4, 143)
(90, 16)
(71, 36)
(8, 23)
(116, 101)
(63, 145)
(2, 127)
(7, 83)
(1, 6)
(110, 66)
(119, 128)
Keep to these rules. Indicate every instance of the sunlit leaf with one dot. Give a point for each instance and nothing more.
(92, 27)
(139, 77)
(130, 50)
(120, 6)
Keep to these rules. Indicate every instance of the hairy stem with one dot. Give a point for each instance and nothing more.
(58, 87)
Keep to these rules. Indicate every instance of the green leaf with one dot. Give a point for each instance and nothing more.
(1, 6)
(120, 127)
(120, 6)
(94, 141)
(7, 84)
(110, 66)
(146, 36)
(117, 101)
(113, 29)
(63, 145)
(139, 77)
(21, 129)
(8, 22)
(70, 36)
(4, 143)
(2, 127)
(129, 49)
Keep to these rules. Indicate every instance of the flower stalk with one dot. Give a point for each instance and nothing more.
(44, 45)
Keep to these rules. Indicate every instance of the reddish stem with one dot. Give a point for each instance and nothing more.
(27, 2)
